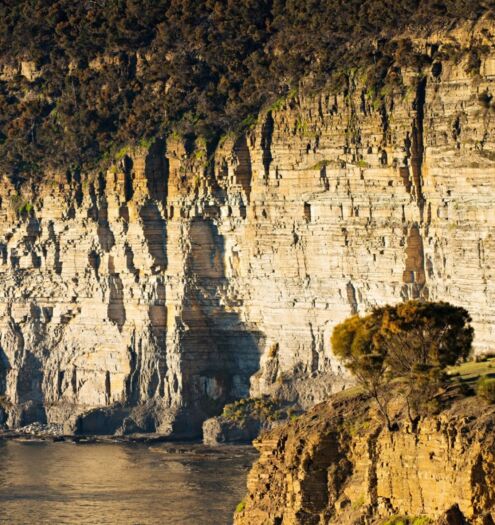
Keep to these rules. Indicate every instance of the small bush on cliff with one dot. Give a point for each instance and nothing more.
(262, 409)
(486, 388)
(411, 342)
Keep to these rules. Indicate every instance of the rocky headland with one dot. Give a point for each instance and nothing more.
(340, 464)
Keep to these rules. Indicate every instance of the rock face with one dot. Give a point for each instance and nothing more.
(338, 464)
(180, 280)
(218, 430)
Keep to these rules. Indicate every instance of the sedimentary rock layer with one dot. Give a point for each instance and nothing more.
(182, 278)
(339, 464)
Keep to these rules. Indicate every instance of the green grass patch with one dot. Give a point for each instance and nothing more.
(27, 207)
(321, 164)
(146, 143)
(249, 122)
(472, 370)
(121, 153)
(485, 388)
(358, 503)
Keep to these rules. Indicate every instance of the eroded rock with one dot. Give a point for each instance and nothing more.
(175, 287)
(339, 464)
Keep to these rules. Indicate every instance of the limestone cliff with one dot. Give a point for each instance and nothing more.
(182, 278)
(339, 464)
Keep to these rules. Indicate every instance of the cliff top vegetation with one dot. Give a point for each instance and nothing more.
(410, 344)
(78, 80)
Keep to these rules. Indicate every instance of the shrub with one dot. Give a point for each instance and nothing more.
(485, 388)
(107, 74)
(240, 506)
(412, 341)
(262, 409)
(419, 336)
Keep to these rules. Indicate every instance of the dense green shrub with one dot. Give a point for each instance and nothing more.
(262, 409)
(107, 73)
(486, 388)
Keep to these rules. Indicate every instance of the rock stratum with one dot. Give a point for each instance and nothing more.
(146, 297)
(339, 464)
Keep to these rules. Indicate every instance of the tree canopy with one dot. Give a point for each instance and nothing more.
(412, 342)
(79, 79)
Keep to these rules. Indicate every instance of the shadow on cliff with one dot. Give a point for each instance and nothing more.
(30, 394)
(219, 352)
(28, 375)
(4, 367)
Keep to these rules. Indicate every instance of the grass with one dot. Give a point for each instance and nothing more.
(356, 426)
(249, 122)
(27, 207)
(471, 371)
(321, 164)
(200, 155)
(240, 506)
(121, 153)
(146, 143)
(224, 138)
(348, 393)
(485, 387)
(358, 503)
(280, 102)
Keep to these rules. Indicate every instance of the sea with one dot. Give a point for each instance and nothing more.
(120, 483)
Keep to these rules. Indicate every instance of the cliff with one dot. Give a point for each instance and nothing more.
(184, 278)
(339, 464)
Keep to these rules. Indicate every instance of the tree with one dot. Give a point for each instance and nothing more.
(421, 339)
(355, 342)
(410, 343)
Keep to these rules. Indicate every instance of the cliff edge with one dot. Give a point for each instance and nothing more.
(339, 464)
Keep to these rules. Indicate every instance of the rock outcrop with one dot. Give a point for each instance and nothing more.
(218, 430)
(339, 464)
(182, 279)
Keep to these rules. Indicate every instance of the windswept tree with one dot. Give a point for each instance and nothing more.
(420, 339)
(410, 343)
(355, 341)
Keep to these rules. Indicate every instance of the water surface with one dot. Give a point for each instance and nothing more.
(64, 483)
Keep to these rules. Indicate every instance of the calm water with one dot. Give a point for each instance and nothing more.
(63, 483)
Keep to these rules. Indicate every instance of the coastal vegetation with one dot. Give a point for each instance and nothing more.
(486, 388)
(262, 409)
(408, 520)
(410, 345)
(79, 81)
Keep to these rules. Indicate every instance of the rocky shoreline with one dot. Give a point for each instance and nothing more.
(54, 433)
